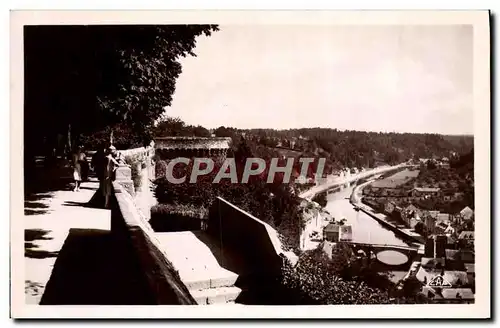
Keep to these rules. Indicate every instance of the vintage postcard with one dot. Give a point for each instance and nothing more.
(250, 164)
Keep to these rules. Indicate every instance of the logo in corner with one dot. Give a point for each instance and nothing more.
(439, 281)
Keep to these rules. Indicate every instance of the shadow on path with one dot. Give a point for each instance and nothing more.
(30, 249)
(33, 204)
(41, 188)
(95, 268)
(89, 188)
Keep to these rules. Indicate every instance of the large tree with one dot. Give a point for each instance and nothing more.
(93, 77)
(175, 127)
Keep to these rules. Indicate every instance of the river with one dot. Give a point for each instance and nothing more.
(365, 229)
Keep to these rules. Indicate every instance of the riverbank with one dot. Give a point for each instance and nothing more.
(382, 218)
(310, 193)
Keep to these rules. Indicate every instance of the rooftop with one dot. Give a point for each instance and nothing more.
(466, 235)
(443, 217)
(466, 210)
(453, 277)
(430, 262)
(457, 293)
(465, 256)
(470, 267)
(332, 227)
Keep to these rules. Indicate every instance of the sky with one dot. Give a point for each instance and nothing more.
(366, 78)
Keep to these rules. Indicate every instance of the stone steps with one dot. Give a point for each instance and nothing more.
(215, 289)
(213, 280)
(209, 273)
(219, 295)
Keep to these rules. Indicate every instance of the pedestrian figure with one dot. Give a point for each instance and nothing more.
(78, 158)
(85, 167)
(99, 163)
(109, 174)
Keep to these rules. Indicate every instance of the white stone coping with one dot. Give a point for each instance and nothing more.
(134, 220)
(271, 232)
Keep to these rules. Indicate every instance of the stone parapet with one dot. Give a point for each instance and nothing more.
(123, 175)
(128, 223)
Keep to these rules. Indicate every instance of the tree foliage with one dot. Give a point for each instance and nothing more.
(358, 148)
(95, 76)
(321, 199)
(175, 127)
(274, 203)
(316, 279)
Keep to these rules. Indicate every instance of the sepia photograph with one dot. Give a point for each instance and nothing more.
(250, 161)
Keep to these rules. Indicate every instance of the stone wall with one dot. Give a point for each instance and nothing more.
(256, 240)
(142, 158)
(168, 148)
(130, 226)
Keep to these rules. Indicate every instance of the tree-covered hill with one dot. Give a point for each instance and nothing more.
(358, 148)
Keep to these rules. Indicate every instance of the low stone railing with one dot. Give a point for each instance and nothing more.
(141, 162)
(146, 152)
(130, 226)
(256, 241)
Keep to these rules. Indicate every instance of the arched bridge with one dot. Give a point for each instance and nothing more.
(409, 251)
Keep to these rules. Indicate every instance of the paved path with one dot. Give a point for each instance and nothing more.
(310, 193)
(48, 218)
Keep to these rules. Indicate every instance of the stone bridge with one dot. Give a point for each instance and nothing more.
(384, 247)
(409, 251)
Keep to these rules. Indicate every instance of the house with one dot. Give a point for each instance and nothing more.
(445, 165)
(456, 278)
(331, 232)
(389, 207)
(396, 213)
(431, 263)
(454, 260)
(466, 238)
(440, 228)
(332, 249)
(328, 249)
(345, 232)
(443, 217)
(409, 212)
(429, 223)
(451, 242)
(435, 247)
(434, 214)
(449, 230)
(449, 295)
(457, 295)
(467, 235)
(467, 213)
(414, 220)
(459, 259)
(425, 192)
(471, 272)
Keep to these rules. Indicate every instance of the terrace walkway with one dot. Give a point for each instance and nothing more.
(70, 254)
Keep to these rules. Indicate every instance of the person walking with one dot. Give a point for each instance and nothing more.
(85, 166)
(78, 158)
(111, 164)
(99, 163)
